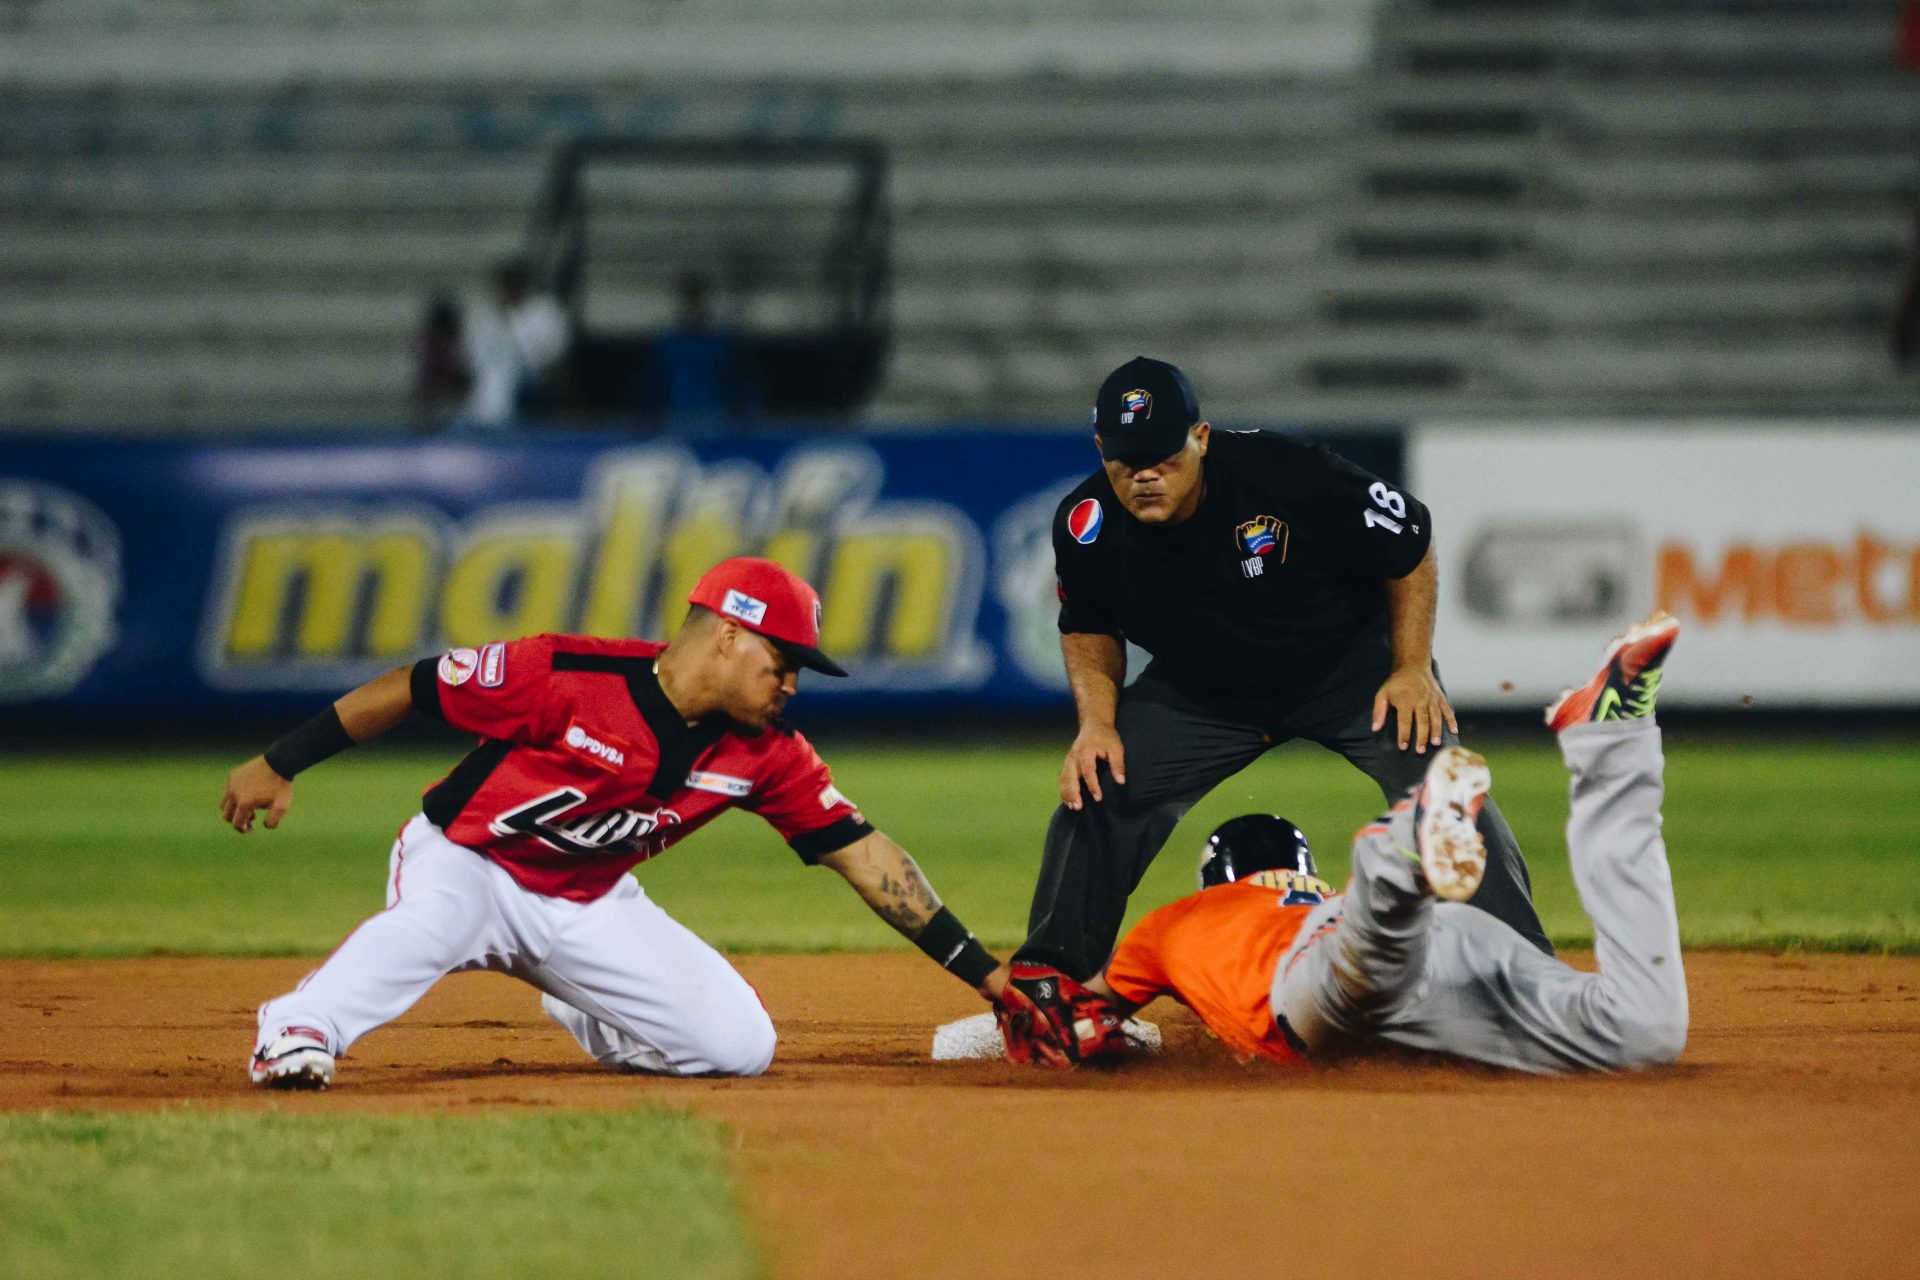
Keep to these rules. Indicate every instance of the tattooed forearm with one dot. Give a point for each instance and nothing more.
(904, 899)
(888, 879)
(903, 918)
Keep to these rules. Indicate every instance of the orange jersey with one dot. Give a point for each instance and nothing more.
(1215, 952)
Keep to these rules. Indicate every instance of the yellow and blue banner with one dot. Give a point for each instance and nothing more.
(171, 578)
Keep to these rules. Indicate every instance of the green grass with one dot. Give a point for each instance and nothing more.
(201, 1195)
(1797, 844)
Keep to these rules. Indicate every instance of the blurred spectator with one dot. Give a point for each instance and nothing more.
(442, 378)
(514, 343)
(698, 373)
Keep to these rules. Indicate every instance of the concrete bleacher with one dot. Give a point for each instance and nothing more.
(1640, 204)
(1502, 206)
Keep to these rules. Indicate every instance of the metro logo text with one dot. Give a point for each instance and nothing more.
(1870, 579)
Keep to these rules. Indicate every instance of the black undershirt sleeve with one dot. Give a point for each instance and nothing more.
(815, 845)
(423, 682)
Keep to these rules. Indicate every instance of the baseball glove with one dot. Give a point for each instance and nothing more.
(1049, 1018)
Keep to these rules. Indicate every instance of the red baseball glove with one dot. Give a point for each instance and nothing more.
(1049, 1018)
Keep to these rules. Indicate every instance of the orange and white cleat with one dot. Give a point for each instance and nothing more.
(1628, 680)
(1453, 856)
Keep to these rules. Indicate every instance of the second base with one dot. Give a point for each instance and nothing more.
(978, 1038)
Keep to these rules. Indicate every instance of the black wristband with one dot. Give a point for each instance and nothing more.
(309, 744)
(954, 949)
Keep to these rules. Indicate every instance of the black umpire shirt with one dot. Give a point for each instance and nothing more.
(1261, 592)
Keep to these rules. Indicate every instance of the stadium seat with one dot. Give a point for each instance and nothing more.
(1361, 208)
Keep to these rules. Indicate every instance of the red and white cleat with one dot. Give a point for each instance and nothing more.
(1628, 680)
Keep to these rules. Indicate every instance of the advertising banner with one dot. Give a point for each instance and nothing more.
(171, 578)
(1790, 552)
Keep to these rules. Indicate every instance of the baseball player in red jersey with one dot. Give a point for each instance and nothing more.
(1280, 969)
(594, 756)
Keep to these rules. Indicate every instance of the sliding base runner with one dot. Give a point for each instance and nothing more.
(1401, 959)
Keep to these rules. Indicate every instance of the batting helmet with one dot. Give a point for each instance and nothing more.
(1254, 842)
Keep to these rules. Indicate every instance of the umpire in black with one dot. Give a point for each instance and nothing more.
(1283, 593)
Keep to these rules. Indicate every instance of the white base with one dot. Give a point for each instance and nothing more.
(978, 1038)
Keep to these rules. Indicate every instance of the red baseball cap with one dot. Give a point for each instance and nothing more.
(767, 600)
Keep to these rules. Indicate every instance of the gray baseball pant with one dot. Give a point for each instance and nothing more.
(1400, 967)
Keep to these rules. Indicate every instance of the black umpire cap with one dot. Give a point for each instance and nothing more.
(1143, 411)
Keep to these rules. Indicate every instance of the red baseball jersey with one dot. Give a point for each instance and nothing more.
(585, 769)
(1215, 951)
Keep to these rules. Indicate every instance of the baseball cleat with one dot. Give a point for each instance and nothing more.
(296, 1058)
(1453, 856)
(1628, 680)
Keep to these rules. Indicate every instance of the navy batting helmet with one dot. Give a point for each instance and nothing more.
(1256, 842)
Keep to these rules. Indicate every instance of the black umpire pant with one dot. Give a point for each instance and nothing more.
(1177, 750)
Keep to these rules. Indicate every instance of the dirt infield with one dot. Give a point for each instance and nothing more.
(1787, 1143)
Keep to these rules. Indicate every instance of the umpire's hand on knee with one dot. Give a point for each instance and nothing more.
(1082, 768)
(1419, 708)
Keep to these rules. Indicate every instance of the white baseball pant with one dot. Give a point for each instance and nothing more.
(636, 988)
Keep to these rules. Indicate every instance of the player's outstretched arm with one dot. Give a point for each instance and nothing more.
(888, 880)
(266, 781)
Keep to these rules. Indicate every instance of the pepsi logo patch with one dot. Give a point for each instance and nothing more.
(458, 665)
(493, 665)
(740, 605)
(1084, 521)
(1135, 405)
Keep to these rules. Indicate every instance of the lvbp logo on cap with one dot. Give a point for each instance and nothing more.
(744, 607)
(768, 600)
(1143, 410)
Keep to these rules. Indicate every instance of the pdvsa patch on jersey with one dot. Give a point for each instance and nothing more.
(1084, 521)
(493, 665)
(600, 747)
(458, 665)
(719, 784)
